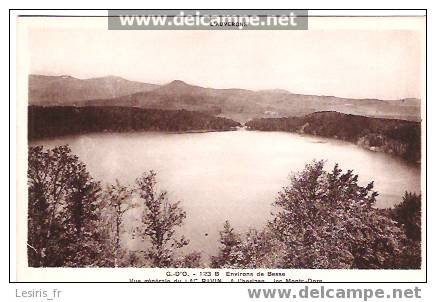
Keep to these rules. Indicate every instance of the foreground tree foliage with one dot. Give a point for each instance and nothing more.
(159, 221)
(326, 220)
(63, 210)
(408, 214)
(117, 201)
(73, 222)
(323, 220)
(254, 249)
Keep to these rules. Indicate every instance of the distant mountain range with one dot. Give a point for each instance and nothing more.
(237, 104)
(63, 90)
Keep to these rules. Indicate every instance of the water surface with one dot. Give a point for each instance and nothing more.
(232, 175)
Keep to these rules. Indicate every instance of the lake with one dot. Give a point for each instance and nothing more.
(233, 175)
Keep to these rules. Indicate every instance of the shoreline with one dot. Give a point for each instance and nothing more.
(32, 140)
(199, 131)
(362, 146)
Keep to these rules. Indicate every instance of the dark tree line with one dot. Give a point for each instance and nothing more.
(66, 120)
(398, 137)
(322, 219)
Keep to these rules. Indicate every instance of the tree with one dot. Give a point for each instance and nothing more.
(63, 210)
(253, 249)
(408, 214)
(327, 220)
(118, 200)
(190, 260)
(159, 221)
(230, 241)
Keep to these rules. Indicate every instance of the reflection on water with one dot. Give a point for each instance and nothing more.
(231, 175)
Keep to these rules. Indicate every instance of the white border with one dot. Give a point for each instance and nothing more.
(102, 274)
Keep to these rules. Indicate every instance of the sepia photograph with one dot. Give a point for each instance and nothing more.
(240, 150)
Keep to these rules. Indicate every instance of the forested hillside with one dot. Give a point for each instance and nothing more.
(397, 137)
(58, 121)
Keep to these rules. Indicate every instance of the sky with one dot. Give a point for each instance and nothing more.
(382, 64)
